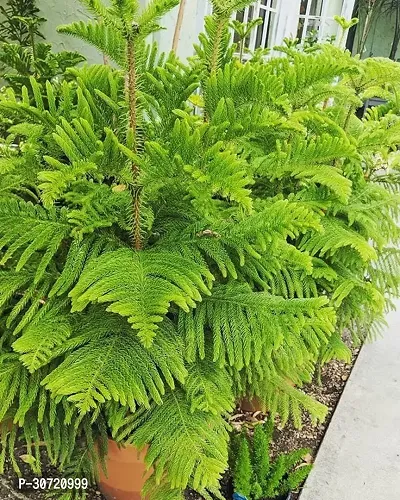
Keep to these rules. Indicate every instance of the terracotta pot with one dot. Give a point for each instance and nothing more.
(251, 405)
(7, 425)
(126, 473)
(254, 404)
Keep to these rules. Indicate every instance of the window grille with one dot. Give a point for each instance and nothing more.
(318, 16)
(264, 36)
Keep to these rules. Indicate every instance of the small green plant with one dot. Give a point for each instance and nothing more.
(346, 25)
(20, 23)
(243, 468)
(256, 476)
(21, 55)
(38, 60)
(243, 32)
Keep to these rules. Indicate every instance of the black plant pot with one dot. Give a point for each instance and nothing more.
(284, 497)
(370, 103)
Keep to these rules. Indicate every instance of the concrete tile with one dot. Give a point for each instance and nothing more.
(359, 458)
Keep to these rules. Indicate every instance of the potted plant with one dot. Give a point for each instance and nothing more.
(166, 260)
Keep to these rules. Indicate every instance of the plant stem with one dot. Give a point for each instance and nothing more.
(33, 44)
(241, 50)
(132, 103)
(347, 120)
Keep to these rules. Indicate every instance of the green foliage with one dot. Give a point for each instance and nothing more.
(261, 456)
(243, 468)
(145, 295)
(20, 22)
(22, 62)
(256, 476)
(190, 446)
(176, 236)
(22, 57)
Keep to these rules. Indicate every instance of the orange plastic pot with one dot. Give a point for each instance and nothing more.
(126, 473)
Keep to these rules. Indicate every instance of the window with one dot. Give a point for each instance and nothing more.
(317, 16)
(264, 35)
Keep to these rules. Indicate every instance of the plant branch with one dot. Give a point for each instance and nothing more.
(217, 45)
(131, 89)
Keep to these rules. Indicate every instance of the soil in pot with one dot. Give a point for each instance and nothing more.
(126, 473)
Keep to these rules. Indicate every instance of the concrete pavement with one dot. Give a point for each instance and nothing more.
(359, 458)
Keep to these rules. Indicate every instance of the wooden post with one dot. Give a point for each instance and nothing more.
(178, 27)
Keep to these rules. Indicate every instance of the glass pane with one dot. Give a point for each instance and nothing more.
(251, 13)
(271, 4)
(300, 29)
(313, 25)
(260, 30)
(269, 42)
(250, 16)
(240, 15)
(316, 8)
(303, 7)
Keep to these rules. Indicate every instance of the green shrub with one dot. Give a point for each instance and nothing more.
(23, 57)
(261, 456)
(243, 468)
(176, 236)
(266, 478)
(14, 26)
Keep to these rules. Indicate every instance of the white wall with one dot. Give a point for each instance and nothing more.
(191, 27)
(64, 12)
(59, 12)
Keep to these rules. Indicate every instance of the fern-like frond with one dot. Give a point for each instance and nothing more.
(192, 449)
(79, 254)
(246, 325)
(336, 349)
(117, 367)
(142, 286)
(49, 329)
(311, 161)
(104, 37)
(281, 398)
(337, 235)
(209, 388)
(26, 229)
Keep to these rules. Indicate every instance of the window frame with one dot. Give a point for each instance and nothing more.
(258, 7)
(322, 19)
(268, 30)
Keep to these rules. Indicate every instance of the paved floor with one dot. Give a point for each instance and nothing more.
(359, 458)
